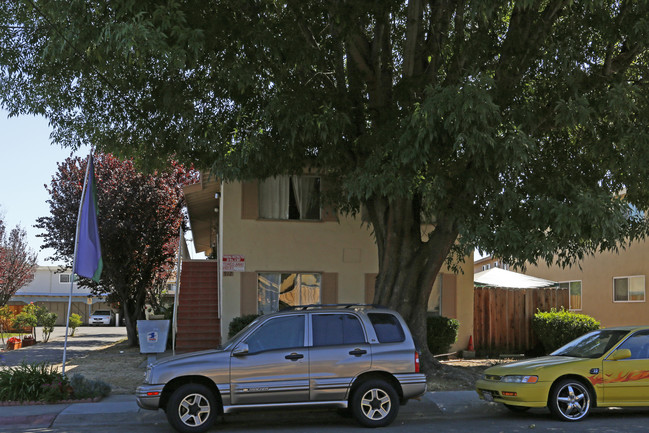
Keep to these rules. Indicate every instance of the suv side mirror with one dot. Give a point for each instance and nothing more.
(243, 349)
(620, 354)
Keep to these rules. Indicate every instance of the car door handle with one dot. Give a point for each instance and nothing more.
(294, 356)
(358, 352)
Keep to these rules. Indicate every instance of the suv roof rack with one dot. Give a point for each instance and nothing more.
(319, 306)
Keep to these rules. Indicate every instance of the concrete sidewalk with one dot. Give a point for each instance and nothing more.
(123, 410)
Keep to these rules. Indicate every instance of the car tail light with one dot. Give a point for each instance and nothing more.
(417, 362)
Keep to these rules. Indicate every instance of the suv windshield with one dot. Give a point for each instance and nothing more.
(591, 345)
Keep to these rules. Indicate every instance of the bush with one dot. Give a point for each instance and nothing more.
(47, 322)
(238, 323)
(43, 382)
(74, 323)
(25, 321)
(86, 388)
(442, 333)
(555, 328)
(33, 382)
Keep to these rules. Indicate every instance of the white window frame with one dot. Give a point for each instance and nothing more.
(581, 293)
(628, 277)
(65, 275)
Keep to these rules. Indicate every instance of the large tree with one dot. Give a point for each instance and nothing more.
(519, 127)
(17, 262)
(139, 217)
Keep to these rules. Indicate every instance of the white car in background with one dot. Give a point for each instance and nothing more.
(101, 317)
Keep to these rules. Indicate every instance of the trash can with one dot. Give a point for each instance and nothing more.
(153, 337)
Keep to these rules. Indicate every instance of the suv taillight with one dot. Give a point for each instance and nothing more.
(416, 362)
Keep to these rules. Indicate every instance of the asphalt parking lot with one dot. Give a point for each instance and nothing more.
(85, 339)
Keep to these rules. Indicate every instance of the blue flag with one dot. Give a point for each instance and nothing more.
(88, 262)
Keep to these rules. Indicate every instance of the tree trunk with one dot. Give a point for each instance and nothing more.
(409, 261)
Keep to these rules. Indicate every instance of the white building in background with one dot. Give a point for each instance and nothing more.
(51, 288)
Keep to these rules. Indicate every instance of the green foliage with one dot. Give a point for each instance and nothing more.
(6, 317)
(24, 320)
(86, 388)
(33, 382)
(47, 322)
(238, 323)
(43, 382)
(442, 333)
(74, 322)
(556, 328)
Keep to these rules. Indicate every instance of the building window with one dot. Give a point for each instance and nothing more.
(276, 291)
(629, 289)
(290, 198)
(64, 278)
(495, 264)
(574, 291)
(435, 298)
(486, 267)
(505, 267)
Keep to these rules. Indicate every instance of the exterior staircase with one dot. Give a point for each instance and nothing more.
(199, 327)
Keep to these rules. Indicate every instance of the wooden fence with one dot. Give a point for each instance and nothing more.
(502, 318)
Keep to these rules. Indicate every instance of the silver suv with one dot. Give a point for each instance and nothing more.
(353, 357)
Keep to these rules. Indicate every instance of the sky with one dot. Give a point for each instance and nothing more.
(28, 162)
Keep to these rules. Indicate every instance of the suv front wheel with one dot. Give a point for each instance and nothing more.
(375, 403)
(192, 408)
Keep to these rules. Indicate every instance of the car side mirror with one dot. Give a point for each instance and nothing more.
(620, 354)
(243, 349)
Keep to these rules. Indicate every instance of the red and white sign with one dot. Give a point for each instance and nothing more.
(234, 263)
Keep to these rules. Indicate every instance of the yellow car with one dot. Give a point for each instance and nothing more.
(608, 367)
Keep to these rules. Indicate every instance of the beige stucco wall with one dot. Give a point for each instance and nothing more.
(596, 274)
(346, 248)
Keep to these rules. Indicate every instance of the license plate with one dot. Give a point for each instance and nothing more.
(487, 396)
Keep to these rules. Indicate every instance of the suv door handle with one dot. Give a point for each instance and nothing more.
(358, 352)
(294, 356)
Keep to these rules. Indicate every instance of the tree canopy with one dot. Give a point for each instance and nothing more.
(518, 127)
(17, 262)
(139, 217)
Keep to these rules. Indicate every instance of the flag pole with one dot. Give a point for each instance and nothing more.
(74, 258)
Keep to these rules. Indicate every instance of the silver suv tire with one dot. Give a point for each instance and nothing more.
(375, 403)
(192, 408)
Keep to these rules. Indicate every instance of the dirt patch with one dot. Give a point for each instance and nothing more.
(119, 365)
(122, 367)
(460, 374)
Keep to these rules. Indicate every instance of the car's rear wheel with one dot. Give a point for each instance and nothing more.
(570, 400)
(375, 403)
(192, 408)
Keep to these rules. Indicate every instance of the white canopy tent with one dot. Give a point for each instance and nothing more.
(496, 277)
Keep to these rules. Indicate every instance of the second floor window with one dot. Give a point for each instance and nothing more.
(64, 278)
(290, 198)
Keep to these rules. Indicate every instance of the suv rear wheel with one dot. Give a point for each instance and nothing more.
(192, 408)
(375, 403)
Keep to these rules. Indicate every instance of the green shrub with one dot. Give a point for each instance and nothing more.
(25, 320)
(86, 388)
(43, 382)
(238, 323)
(74, 323)
(555, 328)
(442, 333)
(33, 382)
(47, 322)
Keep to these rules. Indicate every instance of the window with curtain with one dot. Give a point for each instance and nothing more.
(629, 289)
(574, 291)
(277, 290)
(290, 198)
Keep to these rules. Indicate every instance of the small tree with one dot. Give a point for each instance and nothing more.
(25, 320)
(74, 323)
(6, 317)
(17, 262)
(47, 322)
